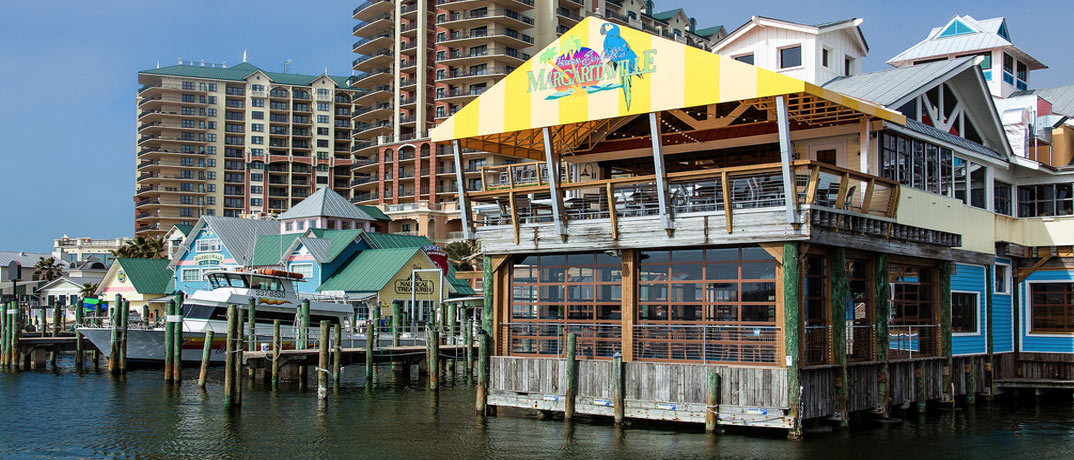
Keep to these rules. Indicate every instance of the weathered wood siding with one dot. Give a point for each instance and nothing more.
(1035, 366)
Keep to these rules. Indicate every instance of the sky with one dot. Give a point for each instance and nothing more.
(68, 163)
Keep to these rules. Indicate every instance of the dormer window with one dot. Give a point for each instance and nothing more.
(848, 65)
(790, 57)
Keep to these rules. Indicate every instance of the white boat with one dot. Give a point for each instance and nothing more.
(275, 298)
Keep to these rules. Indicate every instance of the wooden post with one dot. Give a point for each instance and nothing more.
(206, 350)
(80, 351)
(839, 293)
(945, 327)
(229, 355)
(882, 294)
(449, 324)
(971, 380)
(177, 340)
(919, 385)
(114, 318)
(237, 382)
(322, 363)
(370, 346)
(482, 371)
(277, 345)
(725, 186)
(56, 318)
(123, 326)
(572, 377)
(617, 390)
(468, 342)
(432, 356)
(145, 314)
(41, 328)
(251, 321)
(303, 341)
(792, 338)
(4, 337)
(988, 369)
(712, 400)
(16, 336)
(488, 285)
(337, 352)
(397, 323)
(169, 337)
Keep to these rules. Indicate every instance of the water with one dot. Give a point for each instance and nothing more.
(65, 415)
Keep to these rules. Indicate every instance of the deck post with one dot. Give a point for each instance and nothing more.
(432, 356)
(41, 329)
(251, 320)
(322, 363)
(177, 341)
(838, 280)
(464, 200)
(919, 385)
(56, 318)
(16, 336)
(303, 341)
(482, 371)
(206, 352)
(712, 400)
(791, 336)
(277, 346)
(169, 312)
(488, 287)
(238, 356)
(229, 354)
(553, 185)
(945, 327)
(882, 294)
(337, 353)
(572, 377)
(617, 389)
(397, 323)
(661, 179)
(370, 345)
(971, 380)
(80, 350)
(125, 314)
(789, 195)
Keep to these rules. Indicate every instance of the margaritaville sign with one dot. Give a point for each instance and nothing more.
(576, 69)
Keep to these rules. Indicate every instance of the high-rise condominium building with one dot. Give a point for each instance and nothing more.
(232, 141)
(422, 60)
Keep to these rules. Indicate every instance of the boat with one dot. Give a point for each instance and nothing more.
(275, 297)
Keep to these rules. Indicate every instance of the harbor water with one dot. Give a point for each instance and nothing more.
(61, 414)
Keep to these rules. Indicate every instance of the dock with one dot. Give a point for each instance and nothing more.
(260, 362)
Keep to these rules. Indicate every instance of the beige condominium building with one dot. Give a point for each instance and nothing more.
(420, 61)
(234, 141)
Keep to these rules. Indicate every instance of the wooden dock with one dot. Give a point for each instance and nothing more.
(260, 362)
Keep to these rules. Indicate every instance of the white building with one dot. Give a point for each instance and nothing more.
(814, 53)
(67, 249)
(1005, 67)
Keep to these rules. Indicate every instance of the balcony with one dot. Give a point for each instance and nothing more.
(473, 3)
(462, 93)
(510, 18)
(372, 8)
(375, 77)
(372, 25)
(461, 39)
(377, 93)
(479, 73)
(460, 57)
(366, 45)
(373, 60)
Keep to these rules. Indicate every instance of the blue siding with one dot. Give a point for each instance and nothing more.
(308, 285)
(1042, 343)
(1002, 327)
(189, 256)
(970, 278)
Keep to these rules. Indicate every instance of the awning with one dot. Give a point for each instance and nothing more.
(598, 72)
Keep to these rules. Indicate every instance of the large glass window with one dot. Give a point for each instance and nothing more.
(790, 57)
(552, 295)
(913, 326)
(964, 308)
(1002, 198)
(707, 305)
(815, 310)
(859, 311)
(1051, 307)
(1045, 200)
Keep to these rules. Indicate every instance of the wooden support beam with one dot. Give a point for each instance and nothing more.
(661, 179)
(629, 302)
(1025, 272)
(609, 191)
(814, 182)
(867, 201)
(727, 208)
(553, 186)
(893, 201)
(464, 202)
(881, 312)
(514, 214)
(838, 292)
(791, 336)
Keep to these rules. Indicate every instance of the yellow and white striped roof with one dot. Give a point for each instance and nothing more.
(682, 77)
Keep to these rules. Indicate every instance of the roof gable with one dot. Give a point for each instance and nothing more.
(327, 203)
(378, 240)
(148, 276)
(272, 249)
(369, 270)
(957, 27)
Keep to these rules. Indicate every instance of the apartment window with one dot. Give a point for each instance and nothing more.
(322, 131)
(306, 270)
(233, 140)
(211, 150)
(1002, 201)
(1051, 307)
(257, 177)
(188, 98)
(440, 74)
(186, 212)
(211, 175)
(212, 87)
(964, 309)
(211, 188)
(313, 223)
(322, 168)
(257, 87)
(747, 58)
(824, 52)
(257, 202)
(210, 200)
(322, 119)
(790, 57)
(324, 107)
(289, 226)
(257, 115)
(848, 65)
(257, 139)
(212, 100)
(212, 112)
(257, 127)
(256, 189)
(187, 111)
(257, 102)
(209, 245)
(1008, 69)
(440, 111)
(1001, 283)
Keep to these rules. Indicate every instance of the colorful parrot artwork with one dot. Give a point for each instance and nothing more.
(617, 51)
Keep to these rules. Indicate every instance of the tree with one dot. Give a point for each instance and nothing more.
(88, 290)
(141, 248)
(48, 269)
(463, 255)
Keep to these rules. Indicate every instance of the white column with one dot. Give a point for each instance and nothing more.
(789, 193)
(990, 188)
(863, 143)
(460, 186)
(658, 163)
(553, 184)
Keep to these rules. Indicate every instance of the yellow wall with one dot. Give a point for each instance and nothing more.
(389, 293)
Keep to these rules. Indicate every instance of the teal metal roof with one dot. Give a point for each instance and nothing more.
(184, 228)
(461, 287)
(374, 212)
(369, 270)
(665, 15)
(390, 240)
(269, 249)
(339, 240)
(241, 71)
(709, 31)
(149, 276)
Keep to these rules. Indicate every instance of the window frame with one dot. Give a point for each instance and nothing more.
(1029, 311)
(978, 329)
(209, 248)
(183, 278)
(801, 57)
(1007, 278)
(292, 268)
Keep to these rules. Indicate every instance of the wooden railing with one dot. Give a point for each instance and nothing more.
(521, 193)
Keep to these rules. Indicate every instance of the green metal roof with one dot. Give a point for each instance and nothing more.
(149, 276)
(339, 239)
(391, 240)
(708, 31)
(374, 211)
(461, 287)
(241, 71)
(369, 270)
(269, 249)
(665, 15)
(185, 228)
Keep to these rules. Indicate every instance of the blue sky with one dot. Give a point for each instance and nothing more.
(71, 72)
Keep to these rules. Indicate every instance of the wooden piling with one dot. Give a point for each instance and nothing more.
(792, 336)
(251, 324)
(919, 386)
(4, 334)
(617, 389)
(882, 294)
(145, 314)
(468, 341)
(432, 356)
(80, 351)
(56, 318)
(16, 337)
(303, 341)
(482, 372)
(168, 337)
(238, 359)
(397, 323)
(229, 356)
(114, 318)
(177, 340)
(337, 353)
(41, 329)
(124, 315)
(370, 345)
(322, 363)
(572, 377)
(206, 351)
(277, 345)
(837, 281)
(945, 329)
(712, 400)
(971, 380)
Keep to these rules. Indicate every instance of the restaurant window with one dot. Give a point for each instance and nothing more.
(790, 57)
(859, 310)
(964, 308)
(1051, 307)
(1002, 198)
(913, 327)
(1045, 200)
(715, 305)
(553, 295)
(815, 310)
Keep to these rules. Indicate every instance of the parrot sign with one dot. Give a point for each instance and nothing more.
(577, 70)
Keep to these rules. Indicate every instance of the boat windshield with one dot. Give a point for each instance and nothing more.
(265, 283)
(218, 280)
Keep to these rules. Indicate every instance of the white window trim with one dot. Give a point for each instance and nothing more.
(980, 316)
(310, 265)
(218, 245)
(1027, 309)
(830, 54)
(183, 272)
(1008, 280)
(779, 57)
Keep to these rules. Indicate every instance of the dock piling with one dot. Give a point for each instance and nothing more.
(712, 400)
(468, 341)
(482, 371)
(3, 334)
(322, 363)
(303, 341)
(432, 356)
(397, 323)
(337, 353)
(617, 391)
(370, 345)
(229, 355)
(572, 377)
(177, 340)
(169, 312)
(206, 350)
(123, 325)
(276, 346)
(251, 321)
(114, 318)
(80, 352)
(42, 331)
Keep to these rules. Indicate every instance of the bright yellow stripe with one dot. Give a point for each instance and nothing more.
(466, 121)
(701, 78)
(575, 108)
(770, 83)
(516, 109)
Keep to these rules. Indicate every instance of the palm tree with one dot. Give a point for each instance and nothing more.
(48, 269)
(141, 248)
(463, 255)
(88, 290)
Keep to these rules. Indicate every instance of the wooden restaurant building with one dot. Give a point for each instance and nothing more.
(687, 212)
